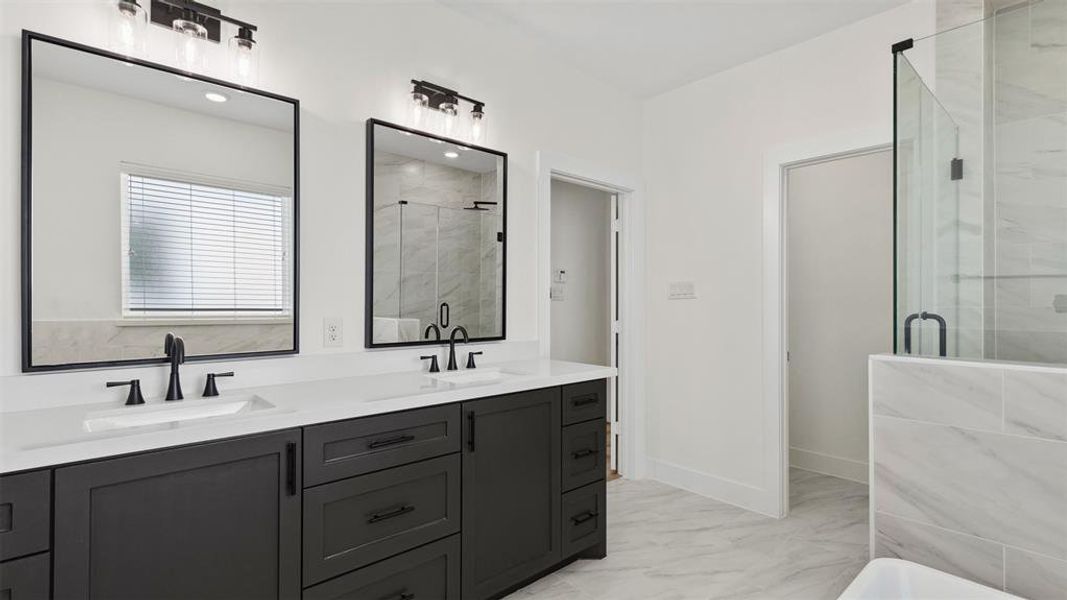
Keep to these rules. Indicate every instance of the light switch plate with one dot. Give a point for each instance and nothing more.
(333, 335)
(682, 290)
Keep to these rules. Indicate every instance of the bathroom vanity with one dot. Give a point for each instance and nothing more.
(466, 498)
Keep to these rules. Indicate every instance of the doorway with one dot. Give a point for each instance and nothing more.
(584, 300)
(839, 302)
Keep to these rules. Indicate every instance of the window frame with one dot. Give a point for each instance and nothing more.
(155, 318)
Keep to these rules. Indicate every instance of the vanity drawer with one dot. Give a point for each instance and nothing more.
(429, 572)
(354, 522)
(337, 450)
(584, 518)
(26, 578)
(25, 513)
(583, 454)
(585, 401)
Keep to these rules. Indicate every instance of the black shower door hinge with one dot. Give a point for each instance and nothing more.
(957, 169)
(500, 236)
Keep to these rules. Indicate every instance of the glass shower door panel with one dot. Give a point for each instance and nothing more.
(418, 270)
(460, 252)
(908, 206)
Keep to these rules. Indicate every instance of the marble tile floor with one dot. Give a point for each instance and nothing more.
(668, 544)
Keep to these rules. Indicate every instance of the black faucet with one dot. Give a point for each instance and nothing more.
(431, 327)
(452, 347)
(174, 348)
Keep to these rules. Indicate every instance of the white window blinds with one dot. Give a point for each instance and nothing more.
(205, 250)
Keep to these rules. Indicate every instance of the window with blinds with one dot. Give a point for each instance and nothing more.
(204, 250)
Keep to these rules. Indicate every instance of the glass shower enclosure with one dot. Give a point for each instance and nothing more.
(980, 125)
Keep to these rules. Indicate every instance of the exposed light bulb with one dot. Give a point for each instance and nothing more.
(417, 110)
(216, 96)
(190, 52)
(479, 126)
(451, 154)
(449, 112)
(127, 36)
(244, 57)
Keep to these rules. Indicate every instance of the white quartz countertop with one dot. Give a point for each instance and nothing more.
(55, 436)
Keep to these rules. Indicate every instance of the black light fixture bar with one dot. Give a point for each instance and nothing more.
(164, 12)
(439, 94)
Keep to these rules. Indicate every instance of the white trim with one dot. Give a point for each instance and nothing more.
(631, 293)
(775, 399)
(828, 464)
(724, 490)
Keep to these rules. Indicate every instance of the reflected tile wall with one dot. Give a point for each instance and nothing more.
(430, 250)
(970, 470)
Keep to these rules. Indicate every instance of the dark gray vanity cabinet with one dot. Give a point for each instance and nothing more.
(511, 490)
(212, 521)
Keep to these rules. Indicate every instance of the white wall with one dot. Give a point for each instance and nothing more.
(581, 223)
(704, 146)
(840, 292)
(345, 62)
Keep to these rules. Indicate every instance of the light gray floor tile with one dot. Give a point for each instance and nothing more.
(669, 544)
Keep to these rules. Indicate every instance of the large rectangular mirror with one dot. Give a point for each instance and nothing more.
(154, 201)
(436, 215)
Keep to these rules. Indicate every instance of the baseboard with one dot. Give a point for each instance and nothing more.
(827, 464)
(739, 494)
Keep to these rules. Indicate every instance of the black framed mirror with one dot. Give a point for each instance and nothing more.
(153, 201)
(436, 245)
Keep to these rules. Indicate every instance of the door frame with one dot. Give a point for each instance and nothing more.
(632, 461)
(775, 396)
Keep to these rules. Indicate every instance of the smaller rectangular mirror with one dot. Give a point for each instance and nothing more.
(436, 249)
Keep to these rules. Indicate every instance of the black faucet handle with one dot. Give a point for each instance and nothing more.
(434, 367)
(134, 398)
(210, 389)
(470, 359)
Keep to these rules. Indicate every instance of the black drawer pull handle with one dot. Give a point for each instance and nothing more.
(585, 400)
(290, 467)
(401, 596)
(400, 510)
(582, 518)
(400, 439)
(584, 453)
(470, 431)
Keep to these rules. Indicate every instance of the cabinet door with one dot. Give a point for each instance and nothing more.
(211, 521)
(511, 490)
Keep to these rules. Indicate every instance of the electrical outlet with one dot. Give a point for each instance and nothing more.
(333, 335)
(682, 290)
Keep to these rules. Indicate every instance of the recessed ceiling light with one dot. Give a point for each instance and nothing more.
(216, 96)
(451, 154)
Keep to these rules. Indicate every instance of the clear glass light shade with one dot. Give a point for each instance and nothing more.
(479, 128)
(192, 39)
(244, 61)
(449, 119)
(417, 110)
(127, 34)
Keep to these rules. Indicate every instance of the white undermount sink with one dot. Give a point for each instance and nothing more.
(174, 412)
(482, 375)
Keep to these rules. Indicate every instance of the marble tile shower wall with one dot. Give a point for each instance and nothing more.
(1030, 129)
(969, 470)
(430, 250)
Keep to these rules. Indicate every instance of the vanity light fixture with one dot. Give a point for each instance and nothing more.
(216, 96)
(127, 34)
(197, 24)
(426, 97)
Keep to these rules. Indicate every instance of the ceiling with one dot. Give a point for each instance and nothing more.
(647, 47)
